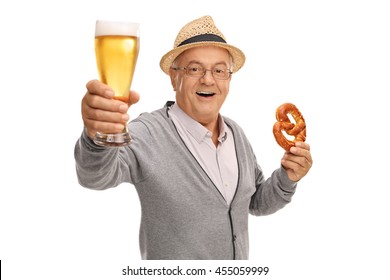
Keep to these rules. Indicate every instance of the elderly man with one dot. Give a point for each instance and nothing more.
(194, 170)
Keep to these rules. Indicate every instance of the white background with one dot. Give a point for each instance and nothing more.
(330, 58)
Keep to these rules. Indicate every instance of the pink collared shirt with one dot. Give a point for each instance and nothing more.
(220, 163)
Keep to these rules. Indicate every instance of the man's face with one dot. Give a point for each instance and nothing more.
(201, 97)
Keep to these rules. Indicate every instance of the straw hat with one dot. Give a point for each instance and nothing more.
(200, 32)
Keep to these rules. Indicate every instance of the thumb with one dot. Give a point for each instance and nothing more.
(133, 97)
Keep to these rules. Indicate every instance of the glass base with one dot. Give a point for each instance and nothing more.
(112, 140)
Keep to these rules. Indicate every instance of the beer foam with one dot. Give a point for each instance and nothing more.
(116, 28)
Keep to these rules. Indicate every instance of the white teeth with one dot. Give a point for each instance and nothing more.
(205, 93)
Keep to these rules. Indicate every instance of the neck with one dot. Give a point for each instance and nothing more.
(213, 127)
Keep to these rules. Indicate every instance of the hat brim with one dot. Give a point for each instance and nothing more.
(237, 55)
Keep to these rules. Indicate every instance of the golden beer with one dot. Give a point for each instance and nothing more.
(116, 57)
(116, 49)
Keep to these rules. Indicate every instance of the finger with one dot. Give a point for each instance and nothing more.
(290, 161)
(96, 87)
(291, 170)
(294, 170)
(302, 150)
(298, 161)
(102, 103)
(302, 161)
(133, 97)
(105, 116)
(93, 126)
(302, 145)
(291, 165)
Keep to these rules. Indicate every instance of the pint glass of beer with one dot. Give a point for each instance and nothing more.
(116, 49)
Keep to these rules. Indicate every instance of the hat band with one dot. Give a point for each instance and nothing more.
(203, 38)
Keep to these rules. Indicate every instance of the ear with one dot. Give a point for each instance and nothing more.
(172, 75)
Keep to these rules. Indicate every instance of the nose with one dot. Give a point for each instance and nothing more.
(207, 77)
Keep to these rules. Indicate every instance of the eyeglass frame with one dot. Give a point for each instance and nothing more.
(204, 72)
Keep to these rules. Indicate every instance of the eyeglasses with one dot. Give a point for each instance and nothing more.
(197, 71)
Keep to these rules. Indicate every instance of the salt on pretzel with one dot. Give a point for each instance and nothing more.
(298, 130)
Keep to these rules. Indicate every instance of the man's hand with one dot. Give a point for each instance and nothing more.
(102, 113)
(298, 161)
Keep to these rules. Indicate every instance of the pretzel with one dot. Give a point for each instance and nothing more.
(284, 124)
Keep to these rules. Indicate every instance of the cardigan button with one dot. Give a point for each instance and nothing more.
(234, 237)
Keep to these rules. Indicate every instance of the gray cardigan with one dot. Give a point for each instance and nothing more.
(183, 215)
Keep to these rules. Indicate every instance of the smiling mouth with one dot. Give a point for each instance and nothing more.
(205, 93)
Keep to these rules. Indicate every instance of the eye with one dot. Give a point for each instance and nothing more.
(194, 69)
(219, 71)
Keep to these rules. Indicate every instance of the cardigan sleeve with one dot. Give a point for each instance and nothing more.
(271, 194)
(98, 167)
(101, 168)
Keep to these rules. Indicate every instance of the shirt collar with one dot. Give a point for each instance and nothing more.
(194, 128)
(222, 130)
